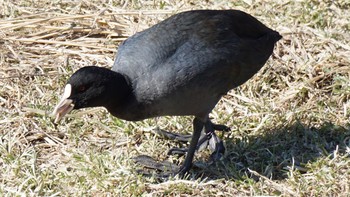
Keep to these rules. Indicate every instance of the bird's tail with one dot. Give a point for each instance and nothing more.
(275, 36)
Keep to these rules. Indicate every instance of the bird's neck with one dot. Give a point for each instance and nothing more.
(119, 92)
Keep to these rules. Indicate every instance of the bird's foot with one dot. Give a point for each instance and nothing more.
(208, 139)
(150, 163)
(186, 137)
(178, 151)
(218, 152)
(221, 127)
(163, 170)
(172, 136)
(217, 148)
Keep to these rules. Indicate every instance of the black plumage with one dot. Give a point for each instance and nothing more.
(181, 66)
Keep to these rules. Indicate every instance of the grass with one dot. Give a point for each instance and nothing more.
(290, 122)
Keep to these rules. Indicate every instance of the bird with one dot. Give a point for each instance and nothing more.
(181, 66)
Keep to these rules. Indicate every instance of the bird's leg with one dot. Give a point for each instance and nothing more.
(202, 143)
(208, 138)
(187, 138)
(197, 129)
(214, 143)
(169, 169)
(203, 137)
(172, 136)
(220, 127)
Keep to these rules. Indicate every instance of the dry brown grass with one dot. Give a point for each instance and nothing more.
(290, 123)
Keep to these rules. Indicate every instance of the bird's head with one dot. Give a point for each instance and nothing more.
(89, 87)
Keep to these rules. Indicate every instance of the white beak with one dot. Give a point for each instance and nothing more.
(65, 105)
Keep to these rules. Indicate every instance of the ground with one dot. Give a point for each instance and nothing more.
(290, 123)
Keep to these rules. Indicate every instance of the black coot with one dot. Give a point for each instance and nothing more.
(181, 66)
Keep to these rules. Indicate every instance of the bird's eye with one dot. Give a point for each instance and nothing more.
(81, 88)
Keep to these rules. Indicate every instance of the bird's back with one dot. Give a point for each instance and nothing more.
(191, 59)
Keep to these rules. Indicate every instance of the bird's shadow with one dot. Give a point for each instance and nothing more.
(274, 152)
